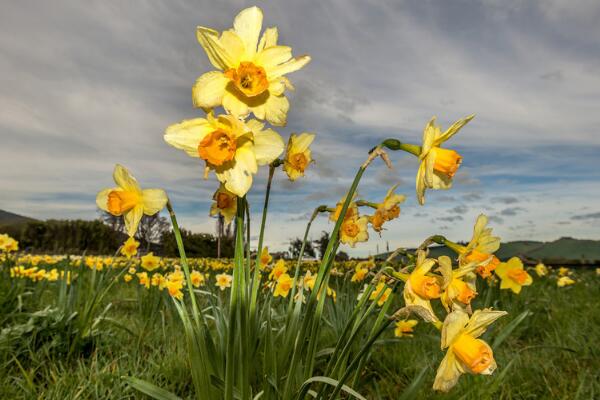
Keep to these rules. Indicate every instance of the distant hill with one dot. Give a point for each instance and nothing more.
(8, 218)
(564, 251)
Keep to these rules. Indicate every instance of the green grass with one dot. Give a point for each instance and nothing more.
(553, 353)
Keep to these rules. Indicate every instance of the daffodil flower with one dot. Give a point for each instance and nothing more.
(564, 281)
(387, 210)
(283, 286)
(298, 155)
(150, 262)
(129, 200)
(459, 288)
(466, 353)
(421, 286)
(360, 273)
(438, 165)
(381, 293)
(251, 72)
(278, 270)
(354, 230)
(265, 257)
(513, 276)
(130, 247)
(225, 204)
(351, 211)
(223, 281)
(541, 270)
(8, 244)
(230, 147)
(405, 327)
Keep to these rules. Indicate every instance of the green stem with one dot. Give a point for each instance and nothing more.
(395, 144)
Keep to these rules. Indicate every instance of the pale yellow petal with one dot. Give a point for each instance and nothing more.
(268, 39)
(428, 137)
(217, 54)
(209, 89)
(453, 129)
(301, 142)
(272, 57)
(448, 373)
(276, 109)
(236, 49)
(235, 106)
(290, 66)
(188, 134)
(480, 320)
(102, 198)
(132, 219)
(268, 145)
(453, 325)
(124, 179)
(420, 183)
(154, 200)
(247, 25)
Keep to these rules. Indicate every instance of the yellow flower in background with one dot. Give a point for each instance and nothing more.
(143, 279)
(8, 244)
(298, 155)
(265, 257)
(564, 271)
(421, 286)
(479, 251)
(387, 210)
(129, 200)
(541, 270)
(466, 353)
(309, 280)
(438, 165)
(278, 270)
(354, 230)
(383, 290)
(197, 278)
(598, 271)
(130, 247)
(223, 281)
(283, 286)
(230, 147)
(564, 281)
(225, 203)
(174, 288)
(150, 262)
(513, 276)
(360, 273)
(251, 72)
(157, 280)
(405, 327)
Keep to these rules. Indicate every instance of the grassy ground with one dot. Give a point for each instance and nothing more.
(553, 353)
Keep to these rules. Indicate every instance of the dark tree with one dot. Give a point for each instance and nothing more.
(296, 246)
(321, 243)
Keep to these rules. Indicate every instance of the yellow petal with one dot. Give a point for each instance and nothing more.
(453, 325)
(268, 39)
(301, 142)
(102, 199)
(453, 129)
(217, 54)
(124, 179)
(247, 25)
(268, 145)
(208, 90)
(273, 56)
(235, 106)
(293, 65)
(480, 320)
(448, 373)
(238, 177)
(154, 200)
(188, 134)
(276, 108)
(234, 45)
(420, 182)
(132, 219)
(428, 137)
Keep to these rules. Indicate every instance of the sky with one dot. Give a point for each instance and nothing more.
(89, 84)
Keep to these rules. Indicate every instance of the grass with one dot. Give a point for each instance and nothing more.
(553, 353)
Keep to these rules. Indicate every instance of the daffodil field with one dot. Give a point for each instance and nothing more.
(411, 326)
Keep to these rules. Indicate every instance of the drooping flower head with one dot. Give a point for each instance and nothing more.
(298, 155)
(251, 72)
(129, 200)
(230, 147)
(422, 286)
(225, 204)
(459, 287)
(480, 250)
(466, 353)
(438, 165)
(387, 210)
(513, 276)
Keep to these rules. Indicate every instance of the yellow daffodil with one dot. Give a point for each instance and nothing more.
(564, 271)
(421, 286)
(360, 273)
(283, 286)
(309, 280)
(297, 155)
(459, 288)
(143, 279)
(174, 288)
(157, 280)
(223, 281)
(129, 200)
(598, 271)
(564, 281)
(230, 147)
(513, 276)
(225, 204)
(405, 327)
(466, 353)
(479, 251)
(150, 262)
(129, 248)
(541, 270)
(354, 230)
(8, 244)
(383, 290)
(278, 270)
(387, 210)
(438, 165)
(351, 212)
(265, 257)
(197, 279)
(251, 72)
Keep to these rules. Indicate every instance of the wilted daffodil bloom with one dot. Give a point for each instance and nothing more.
(480, 249)
(513, 276)
(129, 248)
(230, 147)
(129, 200)
(466, 353)
(354, 230)
(564, 281)
(251, 73)
(459, 287)
(405, 327)
(150, 262)
(438, 165)
(225, 204)
(421, 286)
(387, 210)
(297, 155)
(283, 286)
(541, 270)
(223, 281)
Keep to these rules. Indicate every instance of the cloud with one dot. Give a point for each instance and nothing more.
(511, 211)
(460, 209)
(505, 199)
(586, 217)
